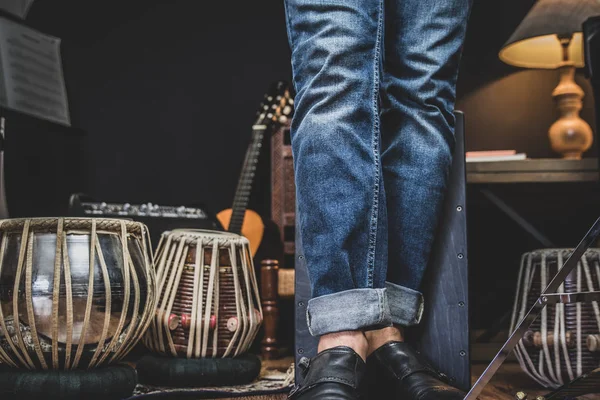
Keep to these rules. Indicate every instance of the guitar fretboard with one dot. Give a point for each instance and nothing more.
(244, 187)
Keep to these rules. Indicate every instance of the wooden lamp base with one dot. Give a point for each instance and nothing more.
(570, 135)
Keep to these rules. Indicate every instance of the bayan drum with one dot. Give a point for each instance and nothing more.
(208, 301)
(75, 293)
(564, 341)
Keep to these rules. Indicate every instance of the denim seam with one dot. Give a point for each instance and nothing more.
(308, 324)
(291, 41)
(376, 133)
(288, 24)
(382, 298)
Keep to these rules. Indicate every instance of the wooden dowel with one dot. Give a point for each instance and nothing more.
(534, 339)
(593, 343)
(269, 279)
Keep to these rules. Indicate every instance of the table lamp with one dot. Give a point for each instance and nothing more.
(550, 37)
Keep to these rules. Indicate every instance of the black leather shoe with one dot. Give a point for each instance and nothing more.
(396, 371)
(334, 374)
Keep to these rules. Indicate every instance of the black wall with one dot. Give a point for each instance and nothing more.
(165, 93)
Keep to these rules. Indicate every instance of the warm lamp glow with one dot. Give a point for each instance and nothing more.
(543, 52)
(550, 37)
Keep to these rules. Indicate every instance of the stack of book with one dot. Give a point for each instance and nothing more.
(494, 155)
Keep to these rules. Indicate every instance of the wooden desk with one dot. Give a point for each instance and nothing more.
(540, 170)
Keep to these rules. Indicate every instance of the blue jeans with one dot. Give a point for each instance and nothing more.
(372, 139)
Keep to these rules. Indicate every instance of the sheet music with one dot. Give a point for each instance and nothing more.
(20, 8)
(31, 73)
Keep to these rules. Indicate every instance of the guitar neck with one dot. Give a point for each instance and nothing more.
(244, 187)
(276, 106)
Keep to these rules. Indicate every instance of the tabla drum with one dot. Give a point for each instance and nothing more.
(564, 341)
(75, 293)
(208, 302)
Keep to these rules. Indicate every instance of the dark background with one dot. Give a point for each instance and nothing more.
(162, 96)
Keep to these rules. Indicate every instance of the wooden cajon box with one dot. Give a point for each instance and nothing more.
(283, 191)
(443, 335)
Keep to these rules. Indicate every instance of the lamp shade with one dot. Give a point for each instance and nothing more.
(535, 43)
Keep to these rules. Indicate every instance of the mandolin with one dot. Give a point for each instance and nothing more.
(275, 109)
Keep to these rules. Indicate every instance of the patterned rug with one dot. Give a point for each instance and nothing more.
(271, 384)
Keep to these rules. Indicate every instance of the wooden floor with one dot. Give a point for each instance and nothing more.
(509, 380)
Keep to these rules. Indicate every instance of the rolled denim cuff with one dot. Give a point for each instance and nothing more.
(406, 305)
(350, 310)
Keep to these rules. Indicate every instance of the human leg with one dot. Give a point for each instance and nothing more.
(423, 42)
(336, 50)
(336, 59)
(422, 47)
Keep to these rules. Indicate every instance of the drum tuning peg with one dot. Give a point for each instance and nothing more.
(258, 315)
(593, 343)
(535, 339)
(173, 322)
(521, 396)
(232, 324)
(186, 321)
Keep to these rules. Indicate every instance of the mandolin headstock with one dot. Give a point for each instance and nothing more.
(277, 106)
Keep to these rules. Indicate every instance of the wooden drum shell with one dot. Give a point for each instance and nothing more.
(185, 281)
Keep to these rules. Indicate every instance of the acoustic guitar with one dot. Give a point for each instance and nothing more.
(275, 109)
